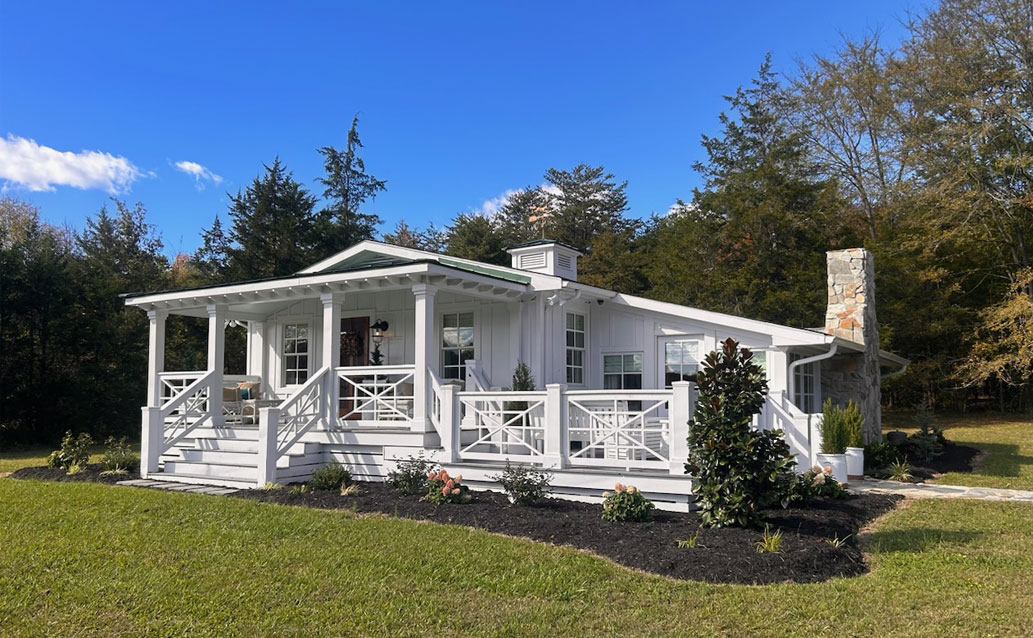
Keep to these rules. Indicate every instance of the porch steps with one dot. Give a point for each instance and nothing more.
(229, 457)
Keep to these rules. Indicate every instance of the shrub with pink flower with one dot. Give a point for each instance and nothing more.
(626, 503)
(443, 488)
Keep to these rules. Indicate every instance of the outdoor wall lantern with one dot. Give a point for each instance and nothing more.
(379, 331)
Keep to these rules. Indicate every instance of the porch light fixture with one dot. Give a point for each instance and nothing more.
(379, 329)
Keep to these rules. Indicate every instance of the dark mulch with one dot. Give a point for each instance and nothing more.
(954, 458)
(92, 473)
(721, 555)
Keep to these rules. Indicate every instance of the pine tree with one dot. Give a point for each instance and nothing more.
(212, 258)
(341, 223)
(273, 227)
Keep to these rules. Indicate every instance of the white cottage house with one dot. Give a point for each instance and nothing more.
(613, 397)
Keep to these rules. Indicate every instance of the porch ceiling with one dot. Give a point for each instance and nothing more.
(255, 300)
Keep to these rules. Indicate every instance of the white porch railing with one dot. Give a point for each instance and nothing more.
(172, 383)
(501, 425)
(376, 395)
(630, 428)
(556, 428)
(176, 417)
(279, 428)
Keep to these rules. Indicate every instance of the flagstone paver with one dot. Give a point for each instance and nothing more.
(932, 490)
(179, 487)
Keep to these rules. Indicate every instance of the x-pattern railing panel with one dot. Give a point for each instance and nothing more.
(189, 408)
(300, 412)
(632, 437)
(378, 393)
(511, 422)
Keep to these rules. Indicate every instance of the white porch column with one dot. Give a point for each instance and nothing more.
(679, 412)
(426, 356)
(155, 355)
(556, 433)
(256, 355)
(332, 351)
(449, 419)
(216, 359)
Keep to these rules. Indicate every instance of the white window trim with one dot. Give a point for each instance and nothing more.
(439, 335)
(584, 350)
(661, 355)
(281, 333)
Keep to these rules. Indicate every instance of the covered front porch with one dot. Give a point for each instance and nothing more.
(310, 392)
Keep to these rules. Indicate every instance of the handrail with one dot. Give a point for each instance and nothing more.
(179, 399)
(193, 401)
(290, 429)
(435, 399)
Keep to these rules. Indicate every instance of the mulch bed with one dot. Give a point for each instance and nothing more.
(721, 555)
(954, 458)
(92, 473)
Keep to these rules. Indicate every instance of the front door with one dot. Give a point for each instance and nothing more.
(354, 352)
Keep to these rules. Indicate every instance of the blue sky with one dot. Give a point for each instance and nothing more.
(459, 102)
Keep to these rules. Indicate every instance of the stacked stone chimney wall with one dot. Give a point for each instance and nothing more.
(850, 314)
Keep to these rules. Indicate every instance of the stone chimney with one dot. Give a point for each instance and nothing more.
(850, 314)
(851, 309)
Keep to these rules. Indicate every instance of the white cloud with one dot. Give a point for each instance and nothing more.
(491, 207)
(25, 163)
(200, 173)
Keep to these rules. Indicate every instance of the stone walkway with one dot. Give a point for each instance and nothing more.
(179, 487)
(932, 490)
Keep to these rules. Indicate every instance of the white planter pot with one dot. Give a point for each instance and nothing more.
(837, 462)
(855, 463)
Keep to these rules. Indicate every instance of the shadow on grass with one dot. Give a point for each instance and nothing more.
(1002, 459)
(915, 539)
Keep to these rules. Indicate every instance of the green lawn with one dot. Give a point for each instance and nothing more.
(1008, 441)
(94, 560)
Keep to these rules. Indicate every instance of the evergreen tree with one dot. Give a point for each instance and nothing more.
(119, 253)
(753, 241)
(273, 227)
(341, 223)
(211, 259)
(476, 237)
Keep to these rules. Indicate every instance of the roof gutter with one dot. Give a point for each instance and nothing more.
(800, 362)
(896, 373)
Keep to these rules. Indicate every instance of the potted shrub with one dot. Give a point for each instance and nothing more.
(833, 441)
(853, 422)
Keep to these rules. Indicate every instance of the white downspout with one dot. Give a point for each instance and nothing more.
(799, 362)
(791, 373)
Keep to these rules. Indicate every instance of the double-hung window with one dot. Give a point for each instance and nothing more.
(575, 348)
(804, 385)
(295, 353)
(622, 371)
(456, 344)
(681, 360)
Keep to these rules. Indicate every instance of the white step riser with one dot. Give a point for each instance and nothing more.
(214, 471)
(242, 458)
(251, 447)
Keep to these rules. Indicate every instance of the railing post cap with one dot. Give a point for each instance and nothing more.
(550, 386)
(681, 384)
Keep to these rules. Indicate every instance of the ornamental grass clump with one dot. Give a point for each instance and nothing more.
(443, 488)
(737, 470)
(626, 504)
(74, 453)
